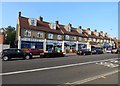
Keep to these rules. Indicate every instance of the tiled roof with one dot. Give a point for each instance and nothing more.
(41, 26)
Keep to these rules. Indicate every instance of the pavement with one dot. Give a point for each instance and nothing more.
(61, 70)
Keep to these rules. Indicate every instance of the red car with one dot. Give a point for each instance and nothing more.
(34, 51)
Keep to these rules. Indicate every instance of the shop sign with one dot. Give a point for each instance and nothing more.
(70, 43)
(31, 40)
(54, 42)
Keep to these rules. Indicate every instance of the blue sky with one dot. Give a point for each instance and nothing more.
(102, 16)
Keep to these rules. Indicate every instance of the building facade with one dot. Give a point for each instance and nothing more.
(39, 34)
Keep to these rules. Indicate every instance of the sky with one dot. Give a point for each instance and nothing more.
(102, 16)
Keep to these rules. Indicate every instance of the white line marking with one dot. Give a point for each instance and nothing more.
(93, 78)
(56, 67)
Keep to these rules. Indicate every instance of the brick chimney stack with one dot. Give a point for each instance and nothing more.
(41, 18)
(19, 14)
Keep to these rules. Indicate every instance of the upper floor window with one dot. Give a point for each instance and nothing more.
(69, 28)
(98, 40)
(85, 39)
(40, 34)
(67, 37)
(74, 38)
(53, 26)
(32, 22)
(94, 39)
(59, 37)
(27, 33)
(90, 39)
(50, 36)
(80, 38)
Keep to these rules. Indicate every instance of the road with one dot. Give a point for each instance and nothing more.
(90, 69)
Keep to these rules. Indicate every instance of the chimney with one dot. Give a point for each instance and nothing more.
(57, 22)
(101, 31)
(41, 18)
(70, 25)
(88, 29)
(95, 30)
(80, 27)
(19, 14)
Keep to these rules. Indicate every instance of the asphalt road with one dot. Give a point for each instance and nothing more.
(63, 70)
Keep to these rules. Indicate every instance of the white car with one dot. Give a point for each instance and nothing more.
(108, 51)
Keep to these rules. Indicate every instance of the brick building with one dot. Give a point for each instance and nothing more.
(37, 33)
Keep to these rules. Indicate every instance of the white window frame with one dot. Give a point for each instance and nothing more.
(53, 26)
(27, 33)
(80, 38)
(98, 40)
(50, 36)
(59, 37)
(40, 34)
(67, 37)
(85, 39)
(74, 38)
(94, 39)
(32, 22)
(69, 28)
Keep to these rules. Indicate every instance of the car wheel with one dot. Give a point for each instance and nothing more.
(5, 58)
(27, 57)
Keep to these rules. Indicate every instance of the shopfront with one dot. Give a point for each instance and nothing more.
(82, 45)
(53, 45)
(27, 43)
(70, 47)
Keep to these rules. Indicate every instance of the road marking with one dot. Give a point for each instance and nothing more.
(93, 78)
(50, 68)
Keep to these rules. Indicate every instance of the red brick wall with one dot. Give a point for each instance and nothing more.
(1, 38)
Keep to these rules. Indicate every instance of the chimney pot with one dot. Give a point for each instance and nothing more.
(57, 22)
(40, 18)
(95, 30)
(88, 28)
(19, 14)
(80, 27)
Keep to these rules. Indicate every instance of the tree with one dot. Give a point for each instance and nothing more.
(10, 36)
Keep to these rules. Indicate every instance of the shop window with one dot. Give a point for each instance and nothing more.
(50, 36)
(59, 37)
(40, 35)
(53, 26)
(67, 37)
(27, 33)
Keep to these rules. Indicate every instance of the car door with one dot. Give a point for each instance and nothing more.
(19, 53)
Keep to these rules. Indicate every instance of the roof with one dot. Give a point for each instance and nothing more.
(41, 26)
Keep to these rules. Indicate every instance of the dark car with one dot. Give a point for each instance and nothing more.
(97, 51)
(34, 51)
(118, 50)
(7, 54)
(84, 52)
(53, 54)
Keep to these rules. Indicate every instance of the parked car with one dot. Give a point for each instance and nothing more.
(34, 51)
(108, 51)
(118, 50)
(7, 54)
(84, 52)
(97, 51)
(52, 54)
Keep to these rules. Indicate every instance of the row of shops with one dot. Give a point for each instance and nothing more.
(64, 46)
